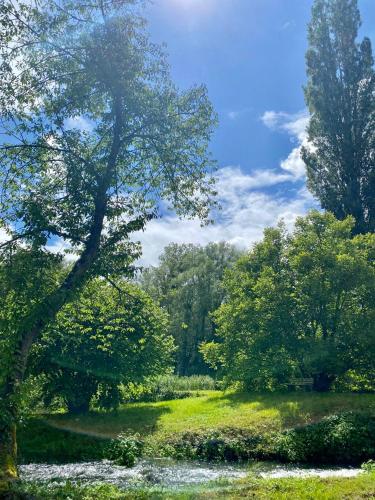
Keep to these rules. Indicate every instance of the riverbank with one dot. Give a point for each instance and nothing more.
(214, 425)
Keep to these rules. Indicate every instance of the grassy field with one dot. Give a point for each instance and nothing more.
(361, 487)
(214, 409)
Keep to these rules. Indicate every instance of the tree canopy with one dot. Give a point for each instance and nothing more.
(299, 305)
(110, 335)
(187, 283)
(94, 134)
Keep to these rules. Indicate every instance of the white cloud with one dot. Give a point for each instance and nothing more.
(246, 209)
(295, 125)
(241, 221)
(80, 123)
(294, 164)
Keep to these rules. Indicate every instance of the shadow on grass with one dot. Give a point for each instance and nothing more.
(68, 438)
(133, 418)
(298, 408)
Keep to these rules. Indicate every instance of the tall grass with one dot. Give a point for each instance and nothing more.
(171, 383)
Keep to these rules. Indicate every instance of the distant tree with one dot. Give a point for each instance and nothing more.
(340, 94)
(107, 336)
(93, 135)
(187, 283)
(299, 305)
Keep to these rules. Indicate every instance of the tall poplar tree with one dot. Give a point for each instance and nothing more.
(340, 94)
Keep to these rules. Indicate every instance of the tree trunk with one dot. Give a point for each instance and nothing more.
(323, 382)
(8, 457)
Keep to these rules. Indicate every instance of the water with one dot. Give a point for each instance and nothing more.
(169, 473)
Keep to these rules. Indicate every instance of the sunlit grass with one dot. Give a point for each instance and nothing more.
(361, 487)
(215, 409)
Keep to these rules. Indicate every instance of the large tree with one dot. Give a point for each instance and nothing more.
(187, 283)
(299, 305)
(93, 135)
(340, 94)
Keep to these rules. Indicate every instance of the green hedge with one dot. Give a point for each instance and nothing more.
(348, 438)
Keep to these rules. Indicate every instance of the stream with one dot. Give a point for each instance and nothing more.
(169, 473)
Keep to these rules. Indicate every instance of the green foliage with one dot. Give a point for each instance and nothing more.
(356, 381)
(94, 134)
(346, 438)
(368, 466)
(187, 283)
(341, 99)
(192, 383)
(125, 449)
(298, 305)
(70, 491)
(19, 294)
(147, 393)
(227, 444)
(107, 336)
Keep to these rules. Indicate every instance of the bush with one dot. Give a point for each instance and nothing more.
(218, 445)
(348, 438)
(125, 449)
(369, 466)
(165, 388)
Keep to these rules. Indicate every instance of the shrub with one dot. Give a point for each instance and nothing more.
(193, 383)
(348, 438)
(166, 387)
(218, 445)
(125, 449)
(368, 466)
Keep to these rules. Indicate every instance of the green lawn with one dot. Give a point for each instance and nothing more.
(214, 409)
(361, 487)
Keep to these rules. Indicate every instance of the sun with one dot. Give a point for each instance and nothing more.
(194, 5)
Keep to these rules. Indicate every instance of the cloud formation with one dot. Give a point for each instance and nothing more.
(247, 206)
(295, 125)
(243, 216)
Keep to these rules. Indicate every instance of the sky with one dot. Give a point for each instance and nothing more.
(251, 56)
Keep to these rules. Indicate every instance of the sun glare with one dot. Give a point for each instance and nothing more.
(194, 5)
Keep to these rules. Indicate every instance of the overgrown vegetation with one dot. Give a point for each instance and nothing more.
(166, 387)
(110, 335)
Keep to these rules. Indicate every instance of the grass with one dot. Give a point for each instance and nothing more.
(361, 487)
(214, 409)
(66, 438)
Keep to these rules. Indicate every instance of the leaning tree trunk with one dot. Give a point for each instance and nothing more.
(8, 456)
(10, 390)
(46, 313)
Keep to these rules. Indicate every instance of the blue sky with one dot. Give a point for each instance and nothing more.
(251, 56)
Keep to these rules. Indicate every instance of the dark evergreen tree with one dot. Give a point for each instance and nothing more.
(340, 95)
